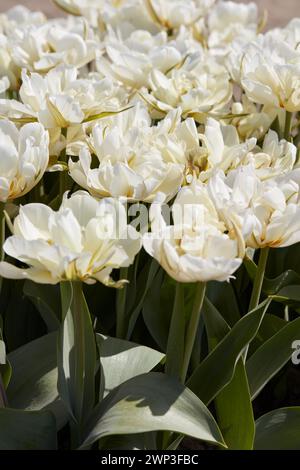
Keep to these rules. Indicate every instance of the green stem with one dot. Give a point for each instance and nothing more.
(259, 278)
(288, 125)
(121, 327)
(76, 359)
(192, 328)
(175, 346)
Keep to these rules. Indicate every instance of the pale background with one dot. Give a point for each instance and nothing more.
(280, 11)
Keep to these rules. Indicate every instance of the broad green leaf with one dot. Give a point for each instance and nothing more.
(47, 301)
(143, 285)
(216, 327)
(278, 430)
(235, 417)
(22, 323)
(33, 384)
(121, 360)
(271, 357)
(157, 309)
(77, 355)
(217, 369)
(5, 367)
(288, 295)
(270, 325)
(153, 402)
(273, 286)
(27, 430)
(235, 413)
(222, 296)
(176, 340)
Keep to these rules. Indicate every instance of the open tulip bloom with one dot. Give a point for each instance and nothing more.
(149, 225)
(79, 242)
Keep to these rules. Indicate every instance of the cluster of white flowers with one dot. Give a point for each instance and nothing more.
(168, 102)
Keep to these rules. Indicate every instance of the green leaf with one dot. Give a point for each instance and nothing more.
(176, 340)
(46, 300)
(143, 285)
(216, 327)
(278, 430)
(27, 430)
(157, 309)
(271, 357)
(22, 323)
(33, 384)
(289, 295)
(222, 296)
(153, 402)
(205, 382)
(235, 417)
(270, 325)
(77, 355)
(273, 286)
(5, 367)
(121, 360)
(235, 413)
(105, 114)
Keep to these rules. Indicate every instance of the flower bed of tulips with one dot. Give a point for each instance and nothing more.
(150, 227)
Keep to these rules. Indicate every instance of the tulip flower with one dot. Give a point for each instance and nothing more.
(199, 246)
(199, 87)
(270, 72)
(136, 160)
(83, 241)
(43, 47)
(24, 158)
(228, 21)
(59, 100)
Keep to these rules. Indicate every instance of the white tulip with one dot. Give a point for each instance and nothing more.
(130, 14)
(222, 149)
(254, 120)
(275, 158)
(171, 14)
(199, 87)
(8, 70)
(60, 100)
(289, 34)
(131, 61)
(267, 212)
(24, 158)
(199, 246)
(41, 48)
(19, 16)
(270, 73)
(136, 160)
(228, 21)
(84, 240)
